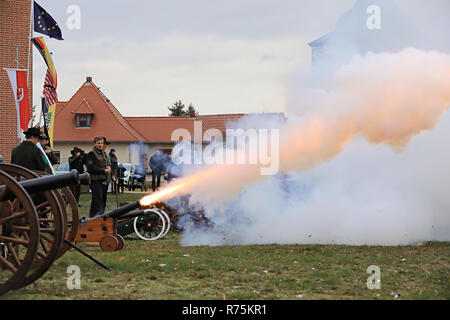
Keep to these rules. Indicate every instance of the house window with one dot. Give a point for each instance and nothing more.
(83, 120)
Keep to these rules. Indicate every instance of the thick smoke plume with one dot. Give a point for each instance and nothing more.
(361, 164)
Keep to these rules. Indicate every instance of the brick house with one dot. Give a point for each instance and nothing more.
(15, 42)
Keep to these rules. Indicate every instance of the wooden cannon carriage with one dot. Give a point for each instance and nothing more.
(109, 228)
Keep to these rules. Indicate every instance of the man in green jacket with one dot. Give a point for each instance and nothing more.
(98, 168)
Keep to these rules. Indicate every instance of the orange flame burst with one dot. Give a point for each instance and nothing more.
(177, 187)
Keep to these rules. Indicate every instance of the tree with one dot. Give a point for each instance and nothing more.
(191, 111)
(178, 110)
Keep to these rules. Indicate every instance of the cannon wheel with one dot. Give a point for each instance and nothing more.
(51, 223)
(19, 233)
(121, 242)
(71, 215)
(150, 226)
(109, 243)
(166, 216)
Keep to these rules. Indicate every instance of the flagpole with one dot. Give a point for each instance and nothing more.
(30, 35)
(17, 56)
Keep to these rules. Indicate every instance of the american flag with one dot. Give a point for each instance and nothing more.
(51, 97)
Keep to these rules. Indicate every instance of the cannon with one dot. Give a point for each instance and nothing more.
(181, 213)
(38, 222)
(109, 228)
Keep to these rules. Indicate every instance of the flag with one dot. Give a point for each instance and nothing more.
(44, 155)
(45, 24)
(40, 45)
(18, 79)
(51, 121)
(45, 116)
(51, 98)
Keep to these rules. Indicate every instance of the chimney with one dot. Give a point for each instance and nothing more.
(88, 79)
(192, 114)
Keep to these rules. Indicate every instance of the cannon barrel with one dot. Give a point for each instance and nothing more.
(47, 183)
(118, 212)
(132, 214)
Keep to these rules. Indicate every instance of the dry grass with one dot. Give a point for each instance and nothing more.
(165, 270)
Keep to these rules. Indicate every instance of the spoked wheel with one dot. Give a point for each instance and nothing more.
(150, 226)
(50, 221)
(70, 215)
(73, 217)
(19, 232)
(167, 219)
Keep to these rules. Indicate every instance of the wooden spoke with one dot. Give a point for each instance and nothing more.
(8, 264)
(41, 241)
(44, 204)
(14, 216)
(13, 254)
(21, 228)
(46, 238)
(4, 192)
(15, 240)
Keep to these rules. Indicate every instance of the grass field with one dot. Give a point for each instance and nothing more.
(165, 270)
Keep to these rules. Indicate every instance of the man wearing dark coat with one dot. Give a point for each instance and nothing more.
(114, 168)
(44, 141)
(27, 154)
(76, 162)
(157, 166)
(98, 168)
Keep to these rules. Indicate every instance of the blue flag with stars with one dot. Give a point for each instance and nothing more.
(45, 24)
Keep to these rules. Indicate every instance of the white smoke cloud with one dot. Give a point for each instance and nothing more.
(342, 189)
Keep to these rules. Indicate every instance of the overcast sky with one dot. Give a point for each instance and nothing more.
(234, 56)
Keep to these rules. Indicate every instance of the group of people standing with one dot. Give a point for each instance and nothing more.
(35, 154)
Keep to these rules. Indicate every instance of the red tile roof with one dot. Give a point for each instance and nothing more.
(83, 108)
(159, 129)
(107, 121)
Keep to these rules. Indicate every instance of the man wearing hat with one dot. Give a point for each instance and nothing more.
(27, 154)
(114, 168)
(77, 162)
(47, 153)
(44, 141)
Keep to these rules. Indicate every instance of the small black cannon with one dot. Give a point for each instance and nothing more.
(103, 228)
(109, 228)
